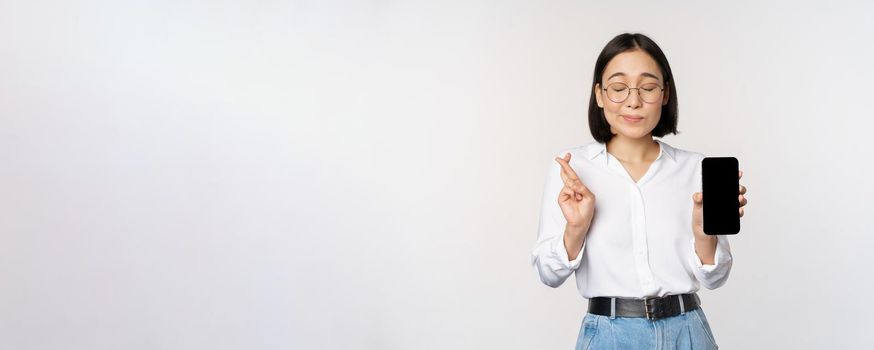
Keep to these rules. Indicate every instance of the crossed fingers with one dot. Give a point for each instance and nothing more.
(569, 176)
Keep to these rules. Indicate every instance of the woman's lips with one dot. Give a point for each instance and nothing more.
(632, 119)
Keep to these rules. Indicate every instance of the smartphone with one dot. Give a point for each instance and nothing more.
(721, 188)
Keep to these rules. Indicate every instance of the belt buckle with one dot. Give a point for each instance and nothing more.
(655, 309)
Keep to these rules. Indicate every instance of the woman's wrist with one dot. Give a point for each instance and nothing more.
(576, 230)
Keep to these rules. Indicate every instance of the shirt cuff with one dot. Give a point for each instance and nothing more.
(560, 252)
(706, 267)
(717, 257)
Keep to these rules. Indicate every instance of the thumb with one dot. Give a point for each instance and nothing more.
(580, 188)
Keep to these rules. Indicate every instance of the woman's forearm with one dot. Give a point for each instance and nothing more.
(574, 236)
(705, 247)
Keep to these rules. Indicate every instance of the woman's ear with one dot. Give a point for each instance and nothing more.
(597, 89)
(667, 94)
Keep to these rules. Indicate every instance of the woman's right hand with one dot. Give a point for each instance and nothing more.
(576, 201)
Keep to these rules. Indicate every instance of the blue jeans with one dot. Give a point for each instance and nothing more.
(689, 330)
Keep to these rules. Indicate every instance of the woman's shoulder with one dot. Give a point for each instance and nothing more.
(681, 154)
(585, 149)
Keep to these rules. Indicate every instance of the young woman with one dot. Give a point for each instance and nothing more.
(624, 213)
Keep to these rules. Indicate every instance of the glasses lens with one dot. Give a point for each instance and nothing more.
(617, 92)
(650, 93)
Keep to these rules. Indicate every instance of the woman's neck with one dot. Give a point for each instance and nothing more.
(641, 150)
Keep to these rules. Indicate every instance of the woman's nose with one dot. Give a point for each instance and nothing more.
(633, 99)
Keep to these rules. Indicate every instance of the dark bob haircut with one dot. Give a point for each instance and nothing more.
(628, 42)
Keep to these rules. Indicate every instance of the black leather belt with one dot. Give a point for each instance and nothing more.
(651, 308)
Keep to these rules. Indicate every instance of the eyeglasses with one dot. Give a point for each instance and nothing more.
(619, 92)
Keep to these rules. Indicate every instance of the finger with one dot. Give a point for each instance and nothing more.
(741, 212)
(570, 177)
(742, 200)
(564, 168)
(578, 187)
(697, 197)
(565, 165)
(566, 193)
(567, 172)
(742, 189)
(561, 172)
(740, 174)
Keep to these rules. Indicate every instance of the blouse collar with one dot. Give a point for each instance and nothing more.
(599, 148)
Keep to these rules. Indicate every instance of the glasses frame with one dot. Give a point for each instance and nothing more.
(661, 92)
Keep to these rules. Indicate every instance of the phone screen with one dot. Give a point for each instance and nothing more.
(720, 186)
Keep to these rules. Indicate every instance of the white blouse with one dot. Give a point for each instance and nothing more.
(640, 243)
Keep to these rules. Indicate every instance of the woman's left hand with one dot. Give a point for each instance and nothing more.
(698, 213)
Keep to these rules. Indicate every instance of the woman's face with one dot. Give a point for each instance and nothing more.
(635, 117)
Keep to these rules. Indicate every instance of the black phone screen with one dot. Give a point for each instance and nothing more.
(720, 186)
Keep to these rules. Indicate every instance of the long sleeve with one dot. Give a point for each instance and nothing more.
(549, 257)
(713, 276)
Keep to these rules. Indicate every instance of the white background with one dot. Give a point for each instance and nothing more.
(330, 175)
